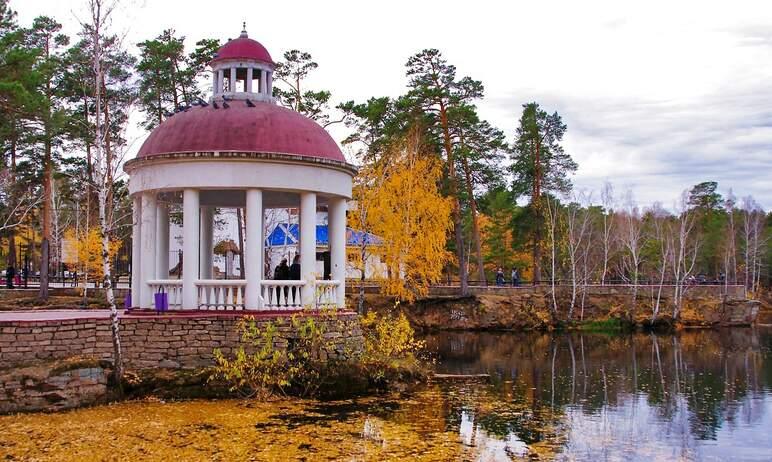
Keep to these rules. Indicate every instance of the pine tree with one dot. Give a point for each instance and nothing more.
(435, 89)
(540, 165)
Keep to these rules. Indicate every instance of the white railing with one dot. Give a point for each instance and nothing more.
(173, 289)
(218, 294)
(327, 294)
(281, 294)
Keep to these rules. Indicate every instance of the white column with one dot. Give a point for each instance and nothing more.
(336, 232)
(220, 80)
(214, 82)
(249, 79)
(262, 246)
(162, 237)
(206, 243)
(148, 248)
(253, 248)
(232, 86)
(308, 248)
(263, 83)
(190, 213)
(269, 83)
(136, 251)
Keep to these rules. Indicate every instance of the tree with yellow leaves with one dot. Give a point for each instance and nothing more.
(89, 247)
(398, 200)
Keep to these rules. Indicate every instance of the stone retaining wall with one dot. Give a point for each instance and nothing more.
(53, 386)
(151, 341)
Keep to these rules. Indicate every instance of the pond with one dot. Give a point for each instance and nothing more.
(703, 395)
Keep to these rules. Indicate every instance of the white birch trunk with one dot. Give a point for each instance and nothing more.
(102, 177)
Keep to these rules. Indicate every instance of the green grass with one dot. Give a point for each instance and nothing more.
(606, 325)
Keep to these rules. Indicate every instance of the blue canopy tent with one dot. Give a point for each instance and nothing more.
(289, 234)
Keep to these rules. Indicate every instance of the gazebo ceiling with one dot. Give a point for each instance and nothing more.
(231, 198)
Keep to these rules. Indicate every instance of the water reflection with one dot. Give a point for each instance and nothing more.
(697, 395)
(694, 396)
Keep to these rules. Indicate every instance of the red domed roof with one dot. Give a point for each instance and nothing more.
(265, 128)
(243, 48)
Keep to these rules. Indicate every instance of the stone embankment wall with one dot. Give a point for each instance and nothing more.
(60, 364)
(177, 341)
(54, 386)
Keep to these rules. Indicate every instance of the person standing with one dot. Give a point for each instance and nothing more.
(294, 274)
(515, 277)
(10, 272)
(281, 273)
(499, 277)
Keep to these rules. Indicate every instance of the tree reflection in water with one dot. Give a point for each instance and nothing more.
(635, 397)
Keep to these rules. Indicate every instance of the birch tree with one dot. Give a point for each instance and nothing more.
(685, 248)
(661, 235)
(104, 167)
(15, 206)
(632, 239)
(607, 200)
(730, 242)
(578, 224)
(753, 242)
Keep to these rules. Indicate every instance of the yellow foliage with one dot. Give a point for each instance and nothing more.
(89, 248)
(389, 336)
(399, 201)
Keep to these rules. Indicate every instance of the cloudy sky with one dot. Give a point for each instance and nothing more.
(657, 95)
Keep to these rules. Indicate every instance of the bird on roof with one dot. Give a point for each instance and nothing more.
(214, 105)
(225, 104)
(250, 103)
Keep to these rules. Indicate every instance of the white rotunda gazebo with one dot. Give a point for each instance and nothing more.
(239, 149)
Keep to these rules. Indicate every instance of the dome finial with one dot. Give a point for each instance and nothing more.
(244, 29)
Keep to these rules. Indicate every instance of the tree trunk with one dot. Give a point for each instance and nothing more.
(12, 249)
(453, 186)
(361, 302)
(46, 218)
(44, 256)
(536, 205)
(12, 232)
(475, 224)
(536, 249)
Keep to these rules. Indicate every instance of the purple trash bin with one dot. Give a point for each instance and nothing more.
(127, 301)
(161, 301)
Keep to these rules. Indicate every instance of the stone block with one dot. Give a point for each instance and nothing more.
(65, 334)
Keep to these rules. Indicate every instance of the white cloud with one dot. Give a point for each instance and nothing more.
(657, 95)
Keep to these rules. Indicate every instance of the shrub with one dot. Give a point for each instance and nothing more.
(303, 363)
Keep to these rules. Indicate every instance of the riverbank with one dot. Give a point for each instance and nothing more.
(529, 310)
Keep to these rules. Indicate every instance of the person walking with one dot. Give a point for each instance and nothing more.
(499, 277)
(515, 277)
